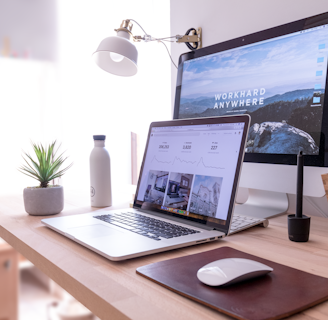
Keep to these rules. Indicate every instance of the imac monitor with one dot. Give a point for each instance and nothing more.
(278, 76)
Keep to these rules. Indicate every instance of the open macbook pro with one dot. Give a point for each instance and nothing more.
(185, 194)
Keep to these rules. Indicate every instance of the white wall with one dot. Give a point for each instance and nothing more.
(28, 112)
(227, 19)
(28, 28)
(96, 102)
(72, 99)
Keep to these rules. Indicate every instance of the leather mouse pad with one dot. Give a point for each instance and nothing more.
(279, 294)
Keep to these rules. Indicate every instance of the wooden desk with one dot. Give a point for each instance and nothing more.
(113, 290)
(8, 282)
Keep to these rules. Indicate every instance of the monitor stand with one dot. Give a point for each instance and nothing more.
(269, 184)
(263, 204)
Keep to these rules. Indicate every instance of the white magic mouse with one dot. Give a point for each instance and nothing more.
(231, 270)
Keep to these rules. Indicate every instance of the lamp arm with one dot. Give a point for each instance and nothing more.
(193, 41)
(148, 38)
(195, 37)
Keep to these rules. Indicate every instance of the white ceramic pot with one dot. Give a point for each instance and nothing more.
(44, 201)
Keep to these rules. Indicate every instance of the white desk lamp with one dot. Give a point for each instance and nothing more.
(119, 56)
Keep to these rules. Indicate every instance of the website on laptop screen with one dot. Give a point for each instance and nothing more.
(279, 82)
(190, 170)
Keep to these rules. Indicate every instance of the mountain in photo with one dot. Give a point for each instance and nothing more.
(277, 111)
(303, 94)
(203, 107)
(299, 130)
(279, 138)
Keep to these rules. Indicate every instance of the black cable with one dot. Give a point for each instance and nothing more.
(188, 43)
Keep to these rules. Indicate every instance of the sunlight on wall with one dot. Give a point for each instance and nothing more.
(96, 102)
(73, 99)
(29, 96)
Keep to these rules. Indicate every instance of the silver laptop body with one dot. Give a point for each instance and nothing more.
(185, 193)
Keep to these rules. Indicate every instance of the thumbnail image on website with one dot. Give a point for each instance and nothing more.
(280, 83)
(156, 185)
(205, 195)
(178, 192)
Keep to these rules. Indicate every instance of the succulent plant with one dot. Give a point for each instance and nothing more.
(46, 167)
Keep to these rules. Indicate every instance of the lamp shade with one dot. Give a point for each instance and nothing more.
(117, 55)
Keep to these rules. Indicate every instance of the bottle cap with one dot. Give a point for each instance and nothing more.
(99, 137)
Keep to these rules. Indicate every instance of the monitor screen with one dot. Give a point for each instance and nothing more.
(190, 170)
(277, 76)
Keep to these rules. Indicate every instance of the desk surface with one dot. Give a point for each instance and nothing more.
(113, 290)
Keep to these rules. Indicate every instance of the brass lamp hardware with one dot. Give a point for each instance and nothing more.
(192, 38)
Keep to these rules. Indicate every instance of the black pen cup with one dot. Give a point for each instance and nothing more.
(298, 228)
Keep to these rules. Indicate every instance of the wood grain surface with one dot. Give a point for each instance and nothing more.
(8, 282)
(113, 290)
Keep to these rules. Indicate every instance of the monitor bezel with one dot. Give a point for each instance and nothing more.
(320, 160)
(208, 221)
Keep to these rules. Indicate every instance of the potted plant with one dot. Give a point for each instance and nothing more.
(44, 199)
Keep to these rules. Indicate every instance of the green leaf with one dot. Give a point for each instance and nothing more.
(46, 167)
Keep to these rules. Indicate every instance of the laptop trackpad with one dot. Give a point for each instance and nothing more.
(93, 231)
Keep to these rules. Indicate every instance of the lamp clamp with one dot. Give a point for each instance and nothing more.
(194, 38)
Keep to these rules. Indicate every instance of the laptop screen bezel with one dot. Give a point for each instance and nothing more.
(200, 121)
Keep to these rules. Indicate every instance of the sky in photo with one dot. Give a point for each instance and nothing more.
(280, 65)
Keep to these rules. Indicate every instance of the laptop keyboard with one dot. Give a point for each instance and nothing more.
(149, 227)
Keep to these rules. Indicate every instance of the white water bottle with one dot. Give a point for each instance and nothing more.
(100, 177)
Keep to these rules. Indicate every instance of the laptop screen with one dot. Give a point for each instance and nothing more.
(189, 169)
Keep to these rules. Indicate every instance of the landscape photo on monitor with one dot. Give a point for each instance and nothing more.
(279, 82)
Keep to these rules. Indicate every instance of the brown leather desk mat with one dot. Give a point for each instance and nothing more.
(281, 293)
